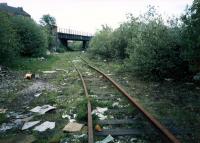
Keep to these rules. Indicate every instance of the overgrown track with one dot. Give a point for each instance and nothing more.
(168, 136)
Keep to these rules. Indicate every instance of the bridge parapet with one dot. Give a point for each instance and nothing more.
(73, 32)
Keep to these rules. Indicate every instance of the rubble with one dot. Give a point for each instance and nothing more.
(44, 126)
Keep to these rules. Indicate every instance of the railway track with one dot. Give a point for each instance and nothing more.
(112, 111)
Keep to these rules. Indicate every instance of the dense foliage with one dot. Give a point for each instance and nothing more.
(151, 46)
(8, 40)
(33, 41)
(20, 36)
(48, 22)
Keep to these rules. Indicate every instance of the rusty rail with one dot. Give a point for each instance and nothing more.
(165, 132)
(90, 126)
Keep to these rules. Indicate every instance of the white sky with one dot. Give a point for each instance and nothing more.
(89, 15)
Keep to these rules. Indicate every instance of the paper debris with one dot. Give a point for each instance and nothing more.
(42, 109)
(69, 117)
(44, 126)
(79, 136)
(73, 127)
(3, 110)
(6, 126)
(115, 104)
(48, 72)
(108, 139)
(37, 94)
(99, 112)
(29, 124)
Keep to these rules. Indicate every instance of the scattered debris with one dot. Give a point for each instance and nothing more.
(29, 124)
(3, 110)
(44, 126)
(197, 77)
(29, 76)
(76, 61)
(189, 83)
(103, 87)
(169, 79)
(42, 109)
(79, 136)
(69, 117)
(115, 104)
(41, 58)
(108, 139)
(48, 52)
(7, 126)
(98, 128)
(73, 127)
(48, 72)
(37, 94)
(99, 112)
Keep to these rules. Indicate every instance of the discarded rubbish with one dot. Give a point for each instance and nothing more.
(76, 61)
(115, 104)
(42, 109)
(28, 76)
(99, 112)
(3, 110)
(98, 128)
(73, 127)
(29, 124)
(44, 126)
(108, 139)
(6, 126)
(69, 117)
(79, 136)
(48, 72)
(37, 94)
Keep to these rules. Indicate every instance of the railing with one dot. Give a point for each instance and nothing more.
(73, 32)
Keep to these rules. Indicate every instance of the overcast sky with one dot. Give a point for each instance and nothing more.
(89, 15)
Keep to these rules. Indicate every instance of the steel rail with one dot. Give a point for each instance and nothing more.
(90, 126)
(167, 134)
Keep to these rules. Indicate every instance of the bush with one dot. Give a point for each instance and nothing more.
(155, 49)
(33, 40)
(8, 41)
(191, 36)
(101, 43)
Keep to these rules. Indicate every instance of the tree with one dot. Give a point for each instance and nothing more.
(8, 40)
(190, 34)
(48, 21)
(33, 40)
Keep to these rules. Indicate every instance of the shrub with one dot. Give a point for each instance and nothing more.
(33, 39)
(155, 48)
(101, 43)
(8, 40)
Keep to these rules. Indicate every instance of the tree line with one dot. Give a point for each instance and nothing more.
(22, 36)
(149, 45)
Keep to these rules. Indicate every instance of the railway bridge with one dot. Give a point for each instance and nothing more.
(66, 35)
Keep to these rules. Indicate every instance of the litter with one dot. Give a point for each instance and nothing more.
(42, 109)
(44, 126)
(73, 127)
(69, 117)
(76, 61)
(37, 94)
(3, 110)
(6, 126)
(99, 112)
(108, 139)
(29, 76)
(98, 128)
(79, 136)
(115, 104)
(48, 72)
(29, 124)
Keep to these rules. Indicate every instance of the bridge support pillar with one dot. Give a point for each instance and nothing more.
(85, 44)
